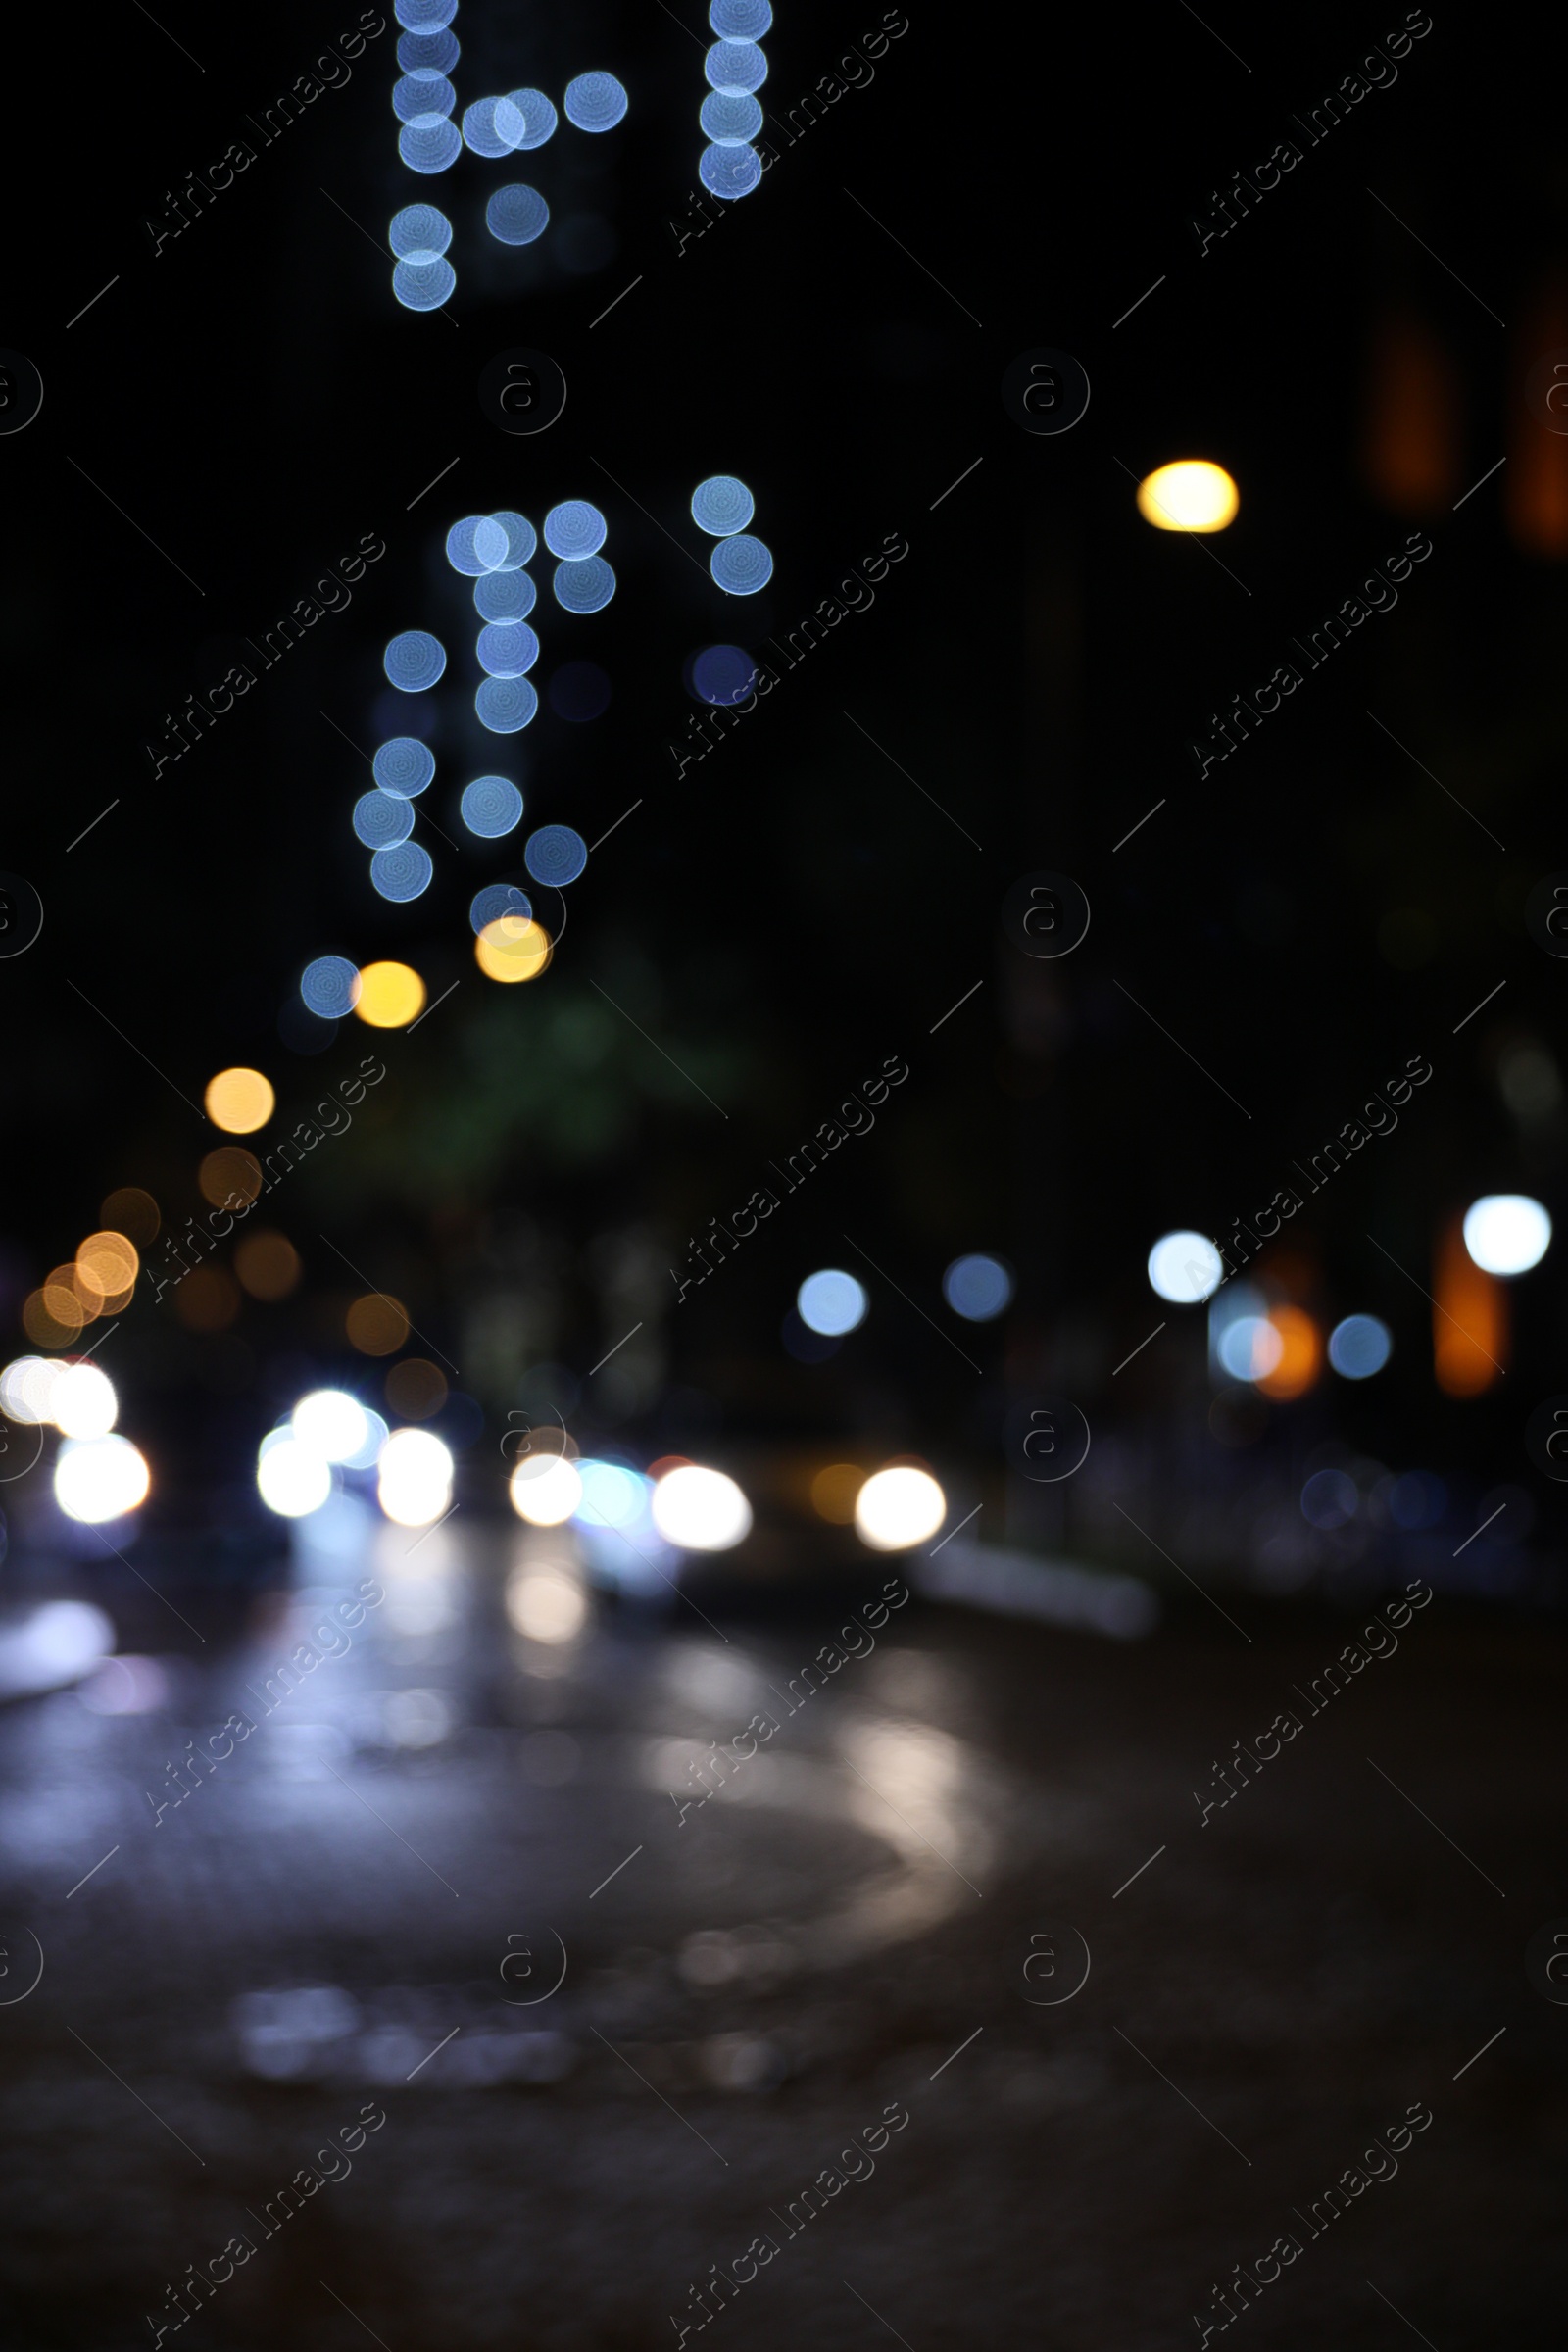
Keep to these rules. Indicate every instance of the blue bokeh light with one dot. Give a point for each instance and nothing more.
(555, 855)
(495, 900)
(521, 538)
(428, 52)
(508, 649)
(722, 674)
(485, 135)
(415, 661)
(978, 1287)
(742, 564)
(735, 67)
(740, 19)
(517, 215)
(831, 1302)
(432, 147)
(491, 805)
(504, 705)
(478, 544)
(594, 102)
(423, 98)
(574, 529)
(382, 819)
(1359, 1347)
(420, 232)
(503, 596)
(425, 285)
(329, 987)
(722, 506)
(424, 15)
(730, 172)
(538, 115)
(729, 117)
(585, 587)
(404, 767)
(402, 873)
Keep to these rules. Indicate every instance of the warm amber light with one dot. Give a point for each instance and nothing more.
(391, 994)
(133, 1211)
(239, 1101)
(107, 1265)
(833, 1492)
(415, 1389)
(513, 947)
(229, 1177)
(65, 1297)
(1300, 1354)
(44, 1328)
(376, 1324)
(268, 1264)
(1190, 495)
(1469, 1319)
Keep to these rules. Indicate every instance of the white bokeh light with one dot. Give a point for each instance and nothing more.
(332, 1424)
(98, 1478)
(1507, 1233)
(831, 1302)
(292, 1478)
(898, 1508)
(701, 1510)
(83, 1402)
(25, 1388)
(545, 1605)
(1185, 1268)
(415, 1482)
(545, 1488)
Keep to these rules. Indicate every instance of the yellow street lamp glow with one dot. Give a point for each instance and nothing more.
(240, 1100)
(391, 994)
(1190, 495)
(513, 947)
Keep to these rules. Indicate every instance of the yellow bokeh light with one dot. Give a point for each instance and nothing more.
(268, 1264)
(133, 1211)
(1190, 495)
(240, 1100)
(834, 1491)
(229, 1177)
(391, 996)
(45, 1329)
(513, 947)
(377, 1325)
(107, 1265)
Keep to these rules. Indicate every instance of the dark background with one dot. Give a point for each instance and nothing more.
(786, 915)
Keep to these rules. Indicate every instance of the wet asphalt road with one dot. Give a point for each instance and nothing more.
(387, 1877)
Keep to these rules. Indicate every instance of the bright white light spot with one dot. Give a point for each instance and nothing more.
(1185, 1268)
(83, 1402)
(545, 1488)
(1359, 1347)
(97, 1479)
(898, 1508)
(332, 1424)
(701, 1510)
(831, 1302)
(1250, 1347)
(415, 1485)
(544, 1605)
(291, 1476)
(978, 1287)
(1507, 1233)
(25, 1388)
(1192, 495)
